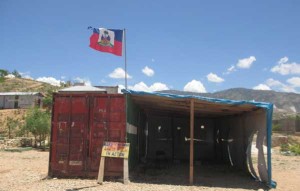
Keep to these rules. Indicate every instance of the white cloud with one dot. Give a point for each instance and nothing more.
(86, 81)
(157, 86)
(286, 88)
(230, 69)
(285, 68)
(294, 81)
(49, 80)
(262, 87)
(26, 75)
(214, 78)
(273, 83)
(119, 73)
(10, 76)
(279, 85)
(283, 60)
(194, 86)
(246, 62)
(141, 86)
(148, 71)
(120, 87)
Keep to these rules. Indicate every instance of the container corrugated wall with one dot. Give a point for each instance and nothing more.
(80, 125)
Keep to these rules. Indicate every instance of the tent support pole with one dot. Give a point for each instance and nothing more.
(191, 178)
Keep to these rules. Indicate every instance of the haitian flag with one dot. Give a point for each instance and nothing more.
(107, 40)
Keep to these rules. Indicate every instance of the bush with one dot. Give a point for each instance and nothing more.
(37, 122)
(11, 124)
(295, 148)
(276, 127)
(284, 147)
(291, 148)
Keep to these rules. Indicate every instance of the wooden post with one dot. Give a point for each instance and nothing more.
(191, 180)
(125, 171)
(101, 171)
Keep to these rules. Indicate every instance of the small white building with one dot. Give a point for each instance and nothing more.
(24, 100)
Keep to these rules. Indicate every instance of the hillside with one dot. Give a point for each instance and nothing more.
(25, 85)
(284, 103)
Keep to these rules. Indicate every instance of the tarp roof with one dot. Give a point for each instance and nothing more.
(203, 105)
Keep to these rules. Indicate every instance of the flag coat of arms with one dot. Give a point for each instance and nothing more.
(107, 40)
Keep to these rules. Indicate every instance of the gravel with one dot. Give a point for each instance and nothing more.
(27, 170)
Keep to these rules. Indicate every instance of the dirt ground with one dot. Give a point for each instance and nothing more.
(27, 170)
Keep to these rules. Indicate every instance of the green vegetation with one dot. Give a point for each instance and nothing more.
(291, 147)
(16, 74)
(48, 100)
(37, 122)
(294, 148)
(3, 73)
(11, 124)
(276, 127)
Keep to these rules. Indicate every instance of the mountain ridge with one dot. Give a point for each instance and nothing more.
(284, 103)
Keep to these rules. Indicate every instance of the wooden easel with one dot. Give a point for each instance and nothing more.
(115, 154)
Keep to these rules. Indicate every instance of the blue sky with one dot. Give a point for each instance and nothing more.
(201, 46)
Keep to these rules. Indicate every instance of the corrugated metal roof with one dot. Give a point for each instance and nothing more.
(18, 93)
(82, 89)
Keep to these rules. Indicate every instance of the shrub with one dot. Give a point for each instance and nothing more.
(295, 148)
(276, 127)
(37, 122)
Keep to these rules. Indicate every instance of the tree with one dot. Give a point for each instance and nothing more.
(16, 74)
(37, 122)
(3, 73)
(11, 125)
(48, 100)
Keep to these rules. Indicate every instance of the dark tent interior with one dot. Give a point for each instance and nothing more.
(229, 137)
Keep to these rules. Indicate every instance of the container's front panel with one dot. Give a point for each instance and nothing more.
(107, 123)
(60, 134)
(77, 136)
(98, 131)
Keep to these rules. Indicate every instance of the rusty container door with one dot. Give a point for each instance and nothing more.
(80, 125)
(68, 136)
(107, 123)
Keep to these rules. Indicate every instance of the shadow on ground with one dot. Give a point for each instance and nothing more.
(220, 176)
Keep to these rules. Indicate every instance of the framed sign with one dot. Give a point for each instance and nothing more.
(115, 149)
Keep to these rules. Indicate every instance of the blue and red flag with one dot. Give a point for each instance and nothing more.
(107, 40)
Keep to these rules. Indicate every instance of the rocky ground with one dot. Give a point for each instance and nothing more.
(27, 170)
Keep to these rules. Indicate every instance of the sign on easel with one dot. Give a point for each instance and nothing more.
(115, 150)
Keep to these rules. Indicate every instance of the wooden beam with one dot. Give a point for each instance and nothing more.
(191, 180)
(101, 171)
(125, 171)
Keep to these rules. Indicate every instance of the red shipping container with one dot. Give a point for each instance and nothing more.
(80, 125)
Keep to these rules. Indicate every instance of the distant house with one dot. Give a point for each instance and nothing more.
(24, 100)
(109, 89)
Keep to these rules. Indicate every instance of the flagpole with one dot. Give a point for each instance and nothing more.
(125, 58)
(126, 96)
